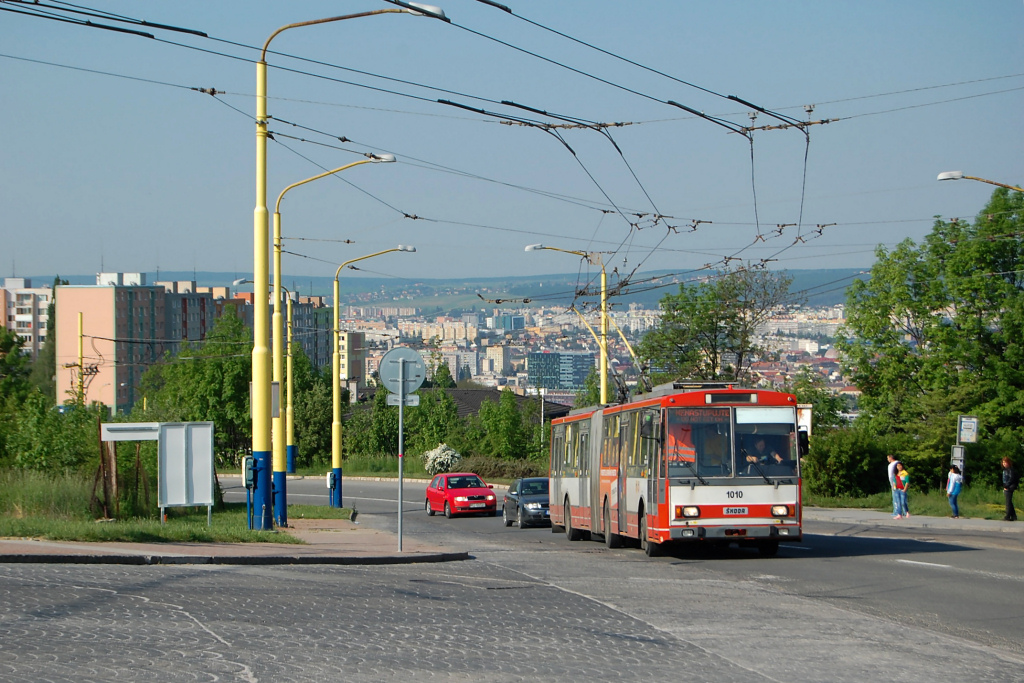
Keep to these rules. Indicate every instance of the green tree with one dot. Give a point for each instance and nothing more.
(40, 437)
(304, 375)
(810, 387)
(507, 431)
(208, 381)
(590, 393)
(937, 332)
(434, 421)
(15, 367)
(443, 377)
(312, 413)
(383, 430)
(707, 330)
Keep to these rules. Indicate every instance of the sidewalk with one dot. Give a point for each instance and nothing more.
(328, 541)
(341, 542)
(874, 518)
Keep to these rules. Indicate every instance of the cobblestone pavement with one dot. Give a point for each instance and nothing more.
(586, 615)
(446, 622)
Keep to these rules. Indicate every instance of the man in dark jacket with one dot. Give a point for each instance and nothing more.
(1010, 481)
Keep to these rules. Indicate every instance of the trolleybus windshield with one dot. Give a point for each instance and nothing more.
(731, 442)
(766, 444)
(697, 442)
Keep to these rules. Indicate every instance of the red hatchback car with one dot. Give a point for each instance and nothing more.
(458, 493)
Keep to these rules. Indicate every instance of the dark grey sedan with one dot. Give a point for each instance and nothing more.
(526, 503)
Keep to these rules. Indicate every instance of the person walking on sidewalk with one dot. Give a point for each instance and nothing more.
(902, 482)
(1010, 482)
(953, 485)
(891, 470)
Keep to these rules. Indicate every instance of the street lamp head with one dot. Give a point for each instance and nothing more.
(534, 247)
(241, 281)
(406, 247)
(382, 158)
(951, 175)
(422, 10)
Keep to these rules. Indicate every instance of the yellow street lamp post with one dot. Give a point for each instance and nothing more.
(278, 429)
(291, 449)
(959, 175)
(336, 378)
(261, 425)
(602, 342)
(281, 504)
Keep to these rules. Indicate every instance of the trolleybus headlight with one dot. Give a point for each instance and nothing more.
(780, 511)
(687, 511)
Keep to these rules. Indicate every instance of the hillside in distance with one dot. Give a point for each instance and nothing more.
(824, 287)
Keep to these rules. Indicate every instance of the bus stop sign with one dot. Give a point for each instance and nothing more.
(415, 370)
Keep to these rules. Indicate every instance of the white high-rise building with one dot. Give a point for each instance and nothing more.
(25, 312)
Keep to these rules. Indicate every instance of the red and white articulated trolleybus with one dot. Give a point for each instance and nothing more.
(686, 463)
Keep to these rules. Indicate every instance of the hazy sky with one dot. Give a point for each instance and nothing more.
(131, 169)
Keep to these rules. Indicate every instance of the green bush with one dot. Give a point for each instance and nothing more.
(850, 462)
(39, 437)
(494, 468)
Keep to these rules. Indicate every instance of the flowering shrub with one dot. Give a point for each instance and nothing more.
(444, 458)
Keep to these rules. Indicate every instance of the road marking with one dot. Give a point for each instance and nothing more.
(926, 564)
(796, 547)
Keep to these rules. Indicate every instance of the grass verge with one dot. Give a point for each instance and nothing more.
(976, 503)
(56, 508)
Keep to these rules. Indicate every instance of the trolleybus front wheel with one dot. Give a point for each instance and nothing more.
(650, 548)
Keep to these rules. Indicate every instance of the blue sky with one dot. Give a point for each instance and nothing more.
(139, 173)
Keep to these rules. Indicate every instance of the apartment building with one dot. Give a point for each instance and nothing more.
(124, 330)
(559, 370)
(25, 312)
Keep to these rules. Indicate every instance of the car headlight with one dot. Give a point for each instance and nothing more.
(687, 511)
(490, 497)
(532, 506)
(460, 499)
(780, 511)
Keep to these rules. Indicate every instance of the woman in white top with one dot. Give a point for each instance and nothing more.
(953, 485)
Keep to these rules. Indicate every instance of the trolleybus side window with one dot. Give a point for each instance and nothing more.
(610, 452)
(648, 444)
(557, 448)
(697, 441)
(766, 444)
(631, 444)
(570, 446)
(584, 453)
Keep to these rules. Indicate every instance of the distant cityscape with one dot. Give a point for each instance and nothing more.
(108, 333)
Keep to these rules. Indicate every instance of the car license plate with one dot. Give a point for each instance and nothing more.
(735, 511)
(476, 505)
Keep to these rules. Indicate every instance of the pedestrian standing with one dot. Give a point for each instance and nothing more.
(1010, 482)
(891, 470)
(902, 482)
(953, 484)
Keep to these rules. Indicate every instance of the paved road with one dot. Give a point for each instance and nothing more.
(969, 586)
(532, 606)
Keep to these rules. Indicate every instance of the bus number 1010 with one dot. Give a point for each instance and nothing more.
(734, 494)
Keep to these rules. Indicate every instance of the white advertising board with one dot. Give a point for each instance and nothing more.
(185, 464)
